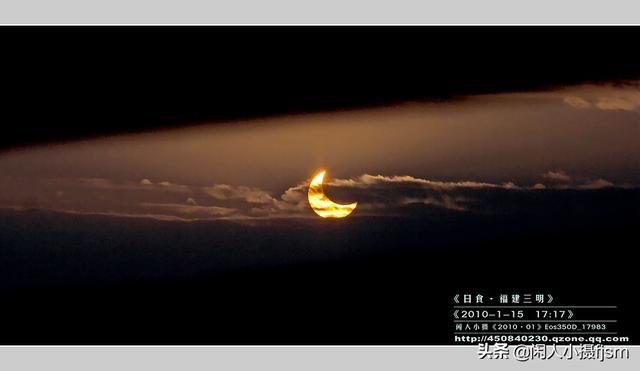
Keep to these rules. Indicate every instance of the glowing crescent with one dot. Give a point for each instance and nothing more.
(322, 205)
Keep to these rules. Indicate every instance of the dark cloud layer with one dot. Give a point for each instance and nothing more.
(157, 242)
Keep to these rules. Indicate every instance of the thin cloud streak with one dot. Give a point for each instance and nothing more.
(377, 195)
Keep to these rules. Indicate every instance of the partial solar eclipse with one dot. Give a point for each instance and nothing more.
(322, 205)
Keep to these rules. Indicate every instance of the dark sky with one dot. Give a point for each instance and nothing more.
(69, 82)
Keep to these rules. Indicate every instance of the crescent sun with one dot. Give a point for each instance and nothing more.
(322, 205)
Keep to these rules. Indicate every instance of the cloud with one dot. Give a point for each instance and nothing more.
(577, 102)
(248, 194)
(596, 184)
(126, 185)
(381, 195)
(630, 102)
(612, 97)
(558, 175)
(377, 195)
(194, 210)
(367, 180)
(446, 202)
(162, 217)
(563, 181)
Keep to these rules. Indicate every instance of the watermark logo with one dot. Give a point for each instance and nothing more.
(528, 352)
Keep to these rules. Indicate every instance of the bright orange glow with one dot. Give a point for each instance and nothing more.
(322, 205)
